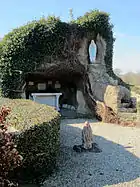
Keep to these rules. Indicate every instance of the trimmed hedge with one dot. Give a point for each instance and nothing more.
(38, 140)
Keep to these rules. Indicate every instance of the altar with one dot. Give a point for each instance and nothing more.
(51, 99)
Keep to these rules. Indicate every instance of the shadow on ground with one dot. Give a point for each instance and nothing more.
(112, 166)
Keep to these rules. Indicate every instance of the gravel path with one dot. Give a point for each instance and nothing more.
(117, 165)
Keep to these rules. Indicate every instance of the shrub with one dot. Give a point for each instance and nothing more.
(9, 156)
(38, 138)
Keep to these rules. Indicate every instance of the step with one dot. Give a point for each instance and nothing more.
(128, 110)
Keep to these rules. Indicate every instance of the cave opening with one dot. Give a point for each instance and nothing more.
(58, 83)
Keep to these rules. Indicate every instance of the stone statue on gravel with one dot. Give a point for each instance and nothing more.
(87, 141)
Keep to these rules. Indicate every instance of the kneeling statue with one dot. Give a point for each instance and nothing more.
(87, 140)
(87, 137)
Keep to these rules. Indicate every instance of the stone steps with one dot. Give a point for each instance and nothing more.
(72, 114)
(125, 105)
(128, 110)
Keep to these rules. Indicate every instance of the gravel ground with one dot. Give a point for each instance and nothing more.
(117, 165)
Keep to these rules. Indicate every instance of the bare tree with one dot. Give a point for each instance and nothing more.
(71, 14)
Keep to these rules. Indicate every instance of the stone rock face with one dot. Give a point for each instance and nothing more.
(103, 89)
(99, 79)
(106, 114)
(101, 46)
(82, 53)
(82, 106)
(108, 94)
(124, 93)
(111, 97)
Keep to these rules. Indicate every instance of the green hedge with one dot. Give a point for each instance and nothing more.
(38, 141)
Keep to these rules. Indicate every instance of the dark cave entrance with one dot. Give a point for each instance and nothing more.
(65, 84)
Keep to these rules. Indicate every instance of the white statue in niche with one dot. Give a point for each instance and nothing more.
(92, 51)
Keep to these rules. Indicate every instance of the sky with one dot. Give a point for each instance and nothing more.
(124, 14)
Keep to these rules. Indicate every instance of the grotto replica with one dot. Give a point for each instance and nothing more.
(60, 56)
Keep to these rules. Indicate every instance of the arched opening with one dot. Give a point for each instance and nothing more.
(92, 52)
(66, 84)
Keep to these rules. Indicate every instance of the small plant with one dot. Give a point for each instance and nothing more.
(9, 156)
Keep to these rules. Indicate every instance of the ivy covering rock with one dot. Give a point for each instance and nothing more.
(26, 48)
